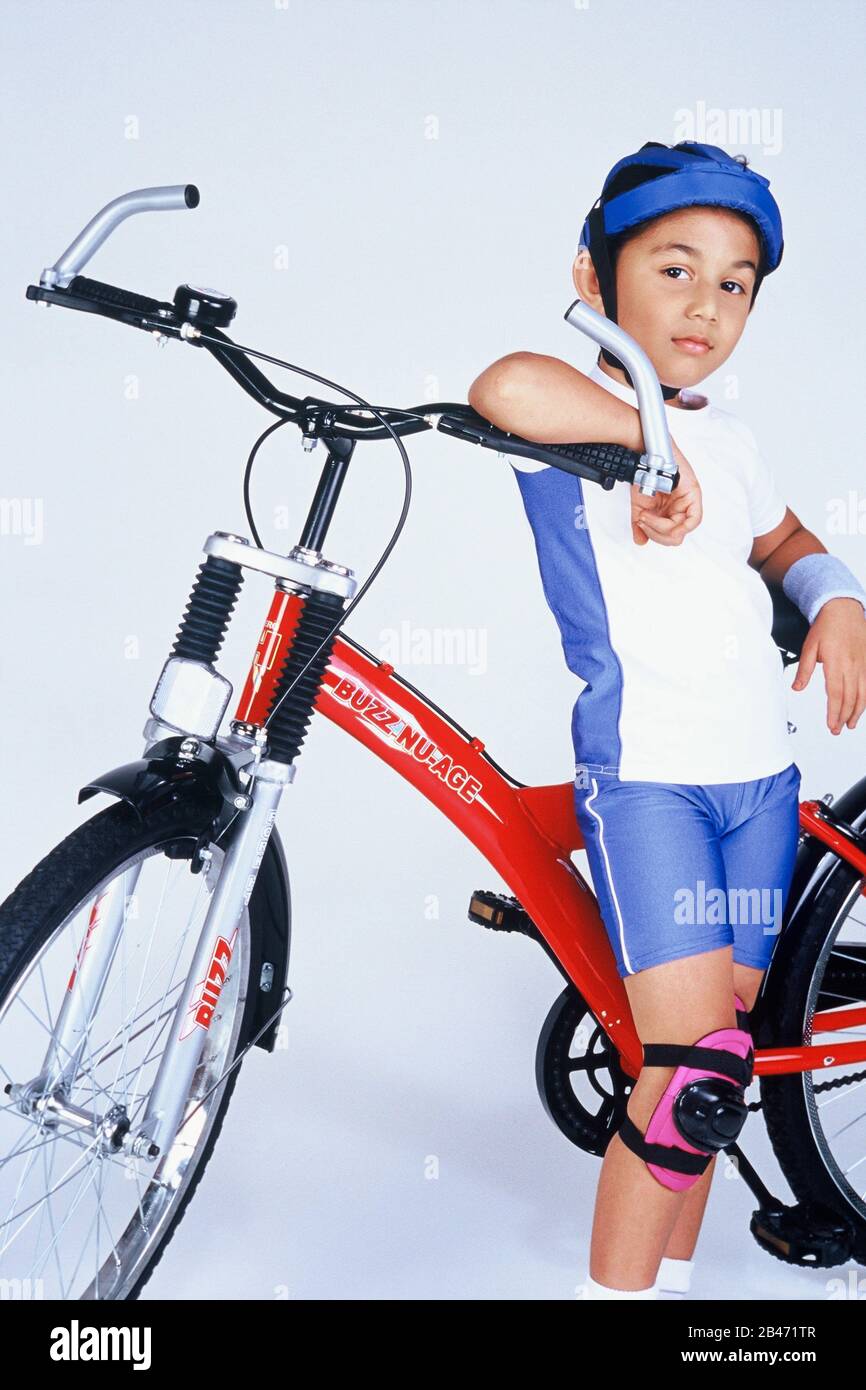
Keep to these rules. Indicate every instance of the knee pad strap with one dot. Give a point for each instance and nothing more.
(702, 1109)
(743, 1015)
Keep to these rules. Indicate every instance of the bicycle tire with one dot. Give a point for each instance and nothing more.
(61, 881)
(786, 1099)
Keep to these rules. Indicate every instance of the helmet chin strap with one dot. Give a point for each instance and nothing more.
(607, 285)
(668, 392)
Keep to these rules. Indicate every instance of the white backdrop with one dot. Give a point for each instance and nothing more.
(393, 193)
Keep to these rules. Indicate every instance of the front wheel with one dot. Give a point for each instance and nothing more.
(817, 1120)
(81, 1217)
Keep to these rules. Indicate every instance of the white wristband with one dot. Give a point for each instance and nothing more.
(814, 579)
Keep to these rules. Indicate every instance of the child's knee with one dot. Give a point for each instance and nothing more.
(647, 1092)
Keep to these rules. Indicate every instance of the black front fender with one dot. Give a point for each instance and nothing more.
(271, 931)
(167, 774)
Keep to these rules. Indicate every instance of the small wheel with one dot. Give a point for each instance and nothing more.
(82, 1216)
(817, 1120)
(577, 1070)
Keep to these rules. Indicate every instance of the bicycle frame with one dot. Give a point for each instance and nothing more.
(526, 833)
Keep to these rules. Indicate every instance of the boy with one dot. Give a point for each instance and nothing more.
(684, 777)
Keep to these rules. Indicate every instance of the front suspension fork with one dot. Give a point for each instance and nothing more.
(191, 698)
(215, 955)
(290, 701)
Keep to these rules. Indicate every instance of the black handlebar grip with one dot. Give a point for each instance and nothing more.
(112, 296)
(613, 463)
(606, 464)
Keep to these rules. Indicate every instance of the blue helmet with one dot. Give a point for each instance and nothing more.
(662, 178)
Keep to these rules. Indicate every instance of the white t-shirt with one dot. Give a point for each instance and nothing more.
(684, 682)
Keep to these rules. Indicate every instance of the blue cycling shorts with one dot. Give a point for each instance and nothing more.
(681, 869)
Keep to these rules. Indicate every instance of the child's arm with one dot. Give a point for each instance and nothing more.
(542, 398)
(548, 400)
(837, 636)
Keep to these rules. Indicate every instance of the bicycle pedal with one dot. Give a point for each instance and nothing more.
(500, 912)
(809, 1233)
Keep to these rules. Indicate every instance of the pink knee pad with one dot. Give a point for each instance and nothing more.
(702, 1109)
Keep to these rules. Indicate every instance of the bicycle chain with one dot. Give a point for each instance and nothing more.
(822, 1086)
(844, 976)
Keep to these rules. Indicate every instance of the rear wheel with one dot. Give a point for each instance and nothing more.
(817, 1120)
(80, 1216)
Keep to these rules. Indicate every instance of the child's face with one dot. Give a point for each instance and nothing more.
(687, 276)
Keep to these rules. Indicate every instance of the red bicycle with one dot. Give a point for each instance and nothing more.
(149, 951)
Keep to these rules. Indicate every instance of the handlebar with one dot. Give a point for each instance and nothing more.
(79, 251)
(198, 316)
(605, 464)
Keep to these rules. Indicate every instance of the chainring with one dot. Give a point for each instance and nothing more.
(577, 1070)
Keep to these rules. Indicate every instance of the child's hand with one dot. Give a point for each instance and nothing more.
(837, 639)
(669, 516)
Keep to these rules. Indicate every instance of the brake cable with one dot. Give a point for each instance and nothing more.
(407, 492)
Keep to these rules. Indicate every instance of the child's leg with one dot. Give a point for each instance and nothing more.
(658, 870)
(684, 1236)
(759, 849)
(676, 1002)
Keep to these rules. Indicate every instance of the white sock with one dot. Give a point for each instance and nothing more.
(675, 1276)
(595, 1290)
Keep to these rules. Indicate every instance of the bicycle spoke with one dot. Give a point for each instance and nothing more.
(835, 1107)
(66, 1178)
(48, 1157)
(86, 1179)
